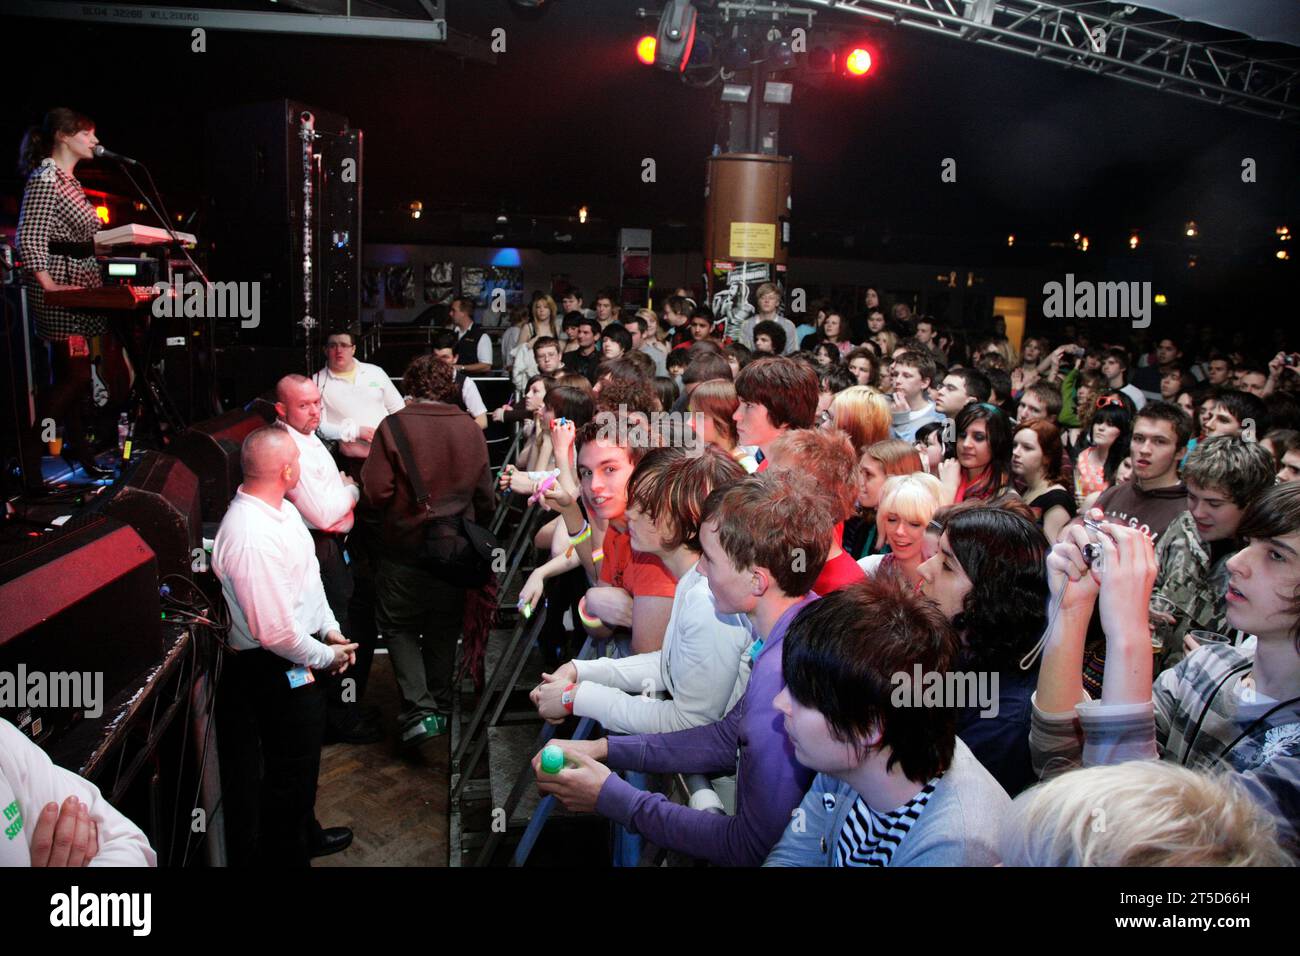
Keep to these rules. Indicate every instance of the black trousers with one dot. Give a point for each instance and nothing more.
(269, 737)
(420, 617)
(342, 691)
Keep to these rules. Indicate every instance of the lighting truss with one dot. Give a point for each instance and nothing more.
(1124, 42)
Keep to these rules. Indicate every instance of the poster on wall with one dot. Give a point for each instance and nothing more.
(399, 287)
(734, 288)
(472, 281)
(509, 280)
(372, 284)
(438, 287)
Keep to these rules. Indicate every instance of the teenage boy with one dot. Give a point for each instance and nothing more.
(776, 394)
(1168, 357)
(895, 786)
(961, 387)
(913, 372)
(749, 532)
(586, 358)
(1221, 708)
(1114, 368)
(605, 311)
(1237, 413)
(1155, 496)
(828, 459)
(1223, 476)
(632, 590)
(1039, 401)
(572, 302)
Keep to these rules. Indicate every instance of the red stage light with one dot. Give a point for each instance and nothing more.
(858, 62)
(645, 50)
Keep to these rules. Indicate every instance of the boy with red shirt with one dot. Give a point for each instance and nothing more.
(827, 458)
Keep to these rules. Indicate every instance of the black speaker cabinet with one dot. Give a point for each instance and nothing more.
(158, 496)
(81, 614)
(211, 450)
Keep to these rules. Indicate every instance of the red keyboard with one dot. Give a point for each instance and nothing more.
(116, 297)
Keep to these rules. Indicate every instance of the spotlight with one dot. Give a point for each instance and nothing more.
(416, 208)
(859, 61)
(1011, 240)
(101, 212)
(582, 214)
(645, 50)
(1190, 230)
(1133, 239)
(676, 36)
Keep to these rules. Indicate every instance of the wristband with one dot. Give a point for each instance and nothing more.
(583, 535)
(591, 623)
(567, 697)
(598, 556)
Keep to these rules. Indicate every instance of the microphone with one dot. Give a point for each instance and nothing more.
(102, 153)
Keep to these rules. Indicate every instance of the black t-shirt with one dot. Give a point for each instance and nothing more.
(586, 365)
(1049, 500)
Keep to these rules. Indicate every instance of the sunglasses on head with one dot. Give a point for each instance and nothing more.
(1105, 400)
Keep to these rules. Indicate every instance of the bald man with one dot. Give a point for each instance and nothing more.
(272, 714)
(326, 498)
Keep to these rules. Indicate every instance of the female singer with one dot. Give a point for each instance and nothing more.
(56, 239)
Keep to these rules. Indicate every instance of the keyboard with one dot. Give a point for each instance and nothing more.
(114, 297)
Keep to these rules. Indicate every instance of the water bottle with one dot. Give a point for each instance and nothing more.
(553, 759)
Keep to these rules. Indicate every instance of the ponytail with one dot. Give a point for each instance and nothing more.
(39, 141)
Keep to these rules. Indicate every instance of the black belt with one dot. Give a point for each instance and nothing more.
(73, 250)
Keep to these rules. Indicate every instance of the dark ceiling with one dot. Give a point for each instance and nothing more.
(567, 116)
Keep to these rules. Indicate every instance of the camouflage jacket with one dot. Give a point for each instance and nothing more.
(1197, 588)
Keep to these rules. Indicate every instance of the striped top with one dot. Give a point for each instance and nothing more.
(869, 838)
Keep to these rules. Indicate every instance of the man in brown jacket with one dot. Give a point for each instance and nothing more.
(419, 614)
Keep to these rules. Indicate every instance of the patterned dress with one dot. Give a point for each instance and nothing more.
(55, 210)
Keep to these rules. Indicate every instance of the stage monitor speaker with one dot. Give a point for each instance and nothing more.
(158, 496)
(211, 450)
(82, 617)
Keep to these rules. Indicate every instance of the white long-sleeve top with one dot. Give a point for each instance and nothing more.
(29, 780)
(364, 402)
(699, 665)
(321, 497)
(270, 577)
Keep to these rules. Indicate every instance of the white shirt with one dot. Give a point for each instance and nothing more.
(321, 497)
(472, 399)
(1135, 393)
(270, 577)
(699, 665)
(29, 780)
(347, 407)
(483, 349)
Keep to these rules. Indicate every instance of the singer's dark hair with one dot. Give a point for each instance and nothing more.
(38, 142)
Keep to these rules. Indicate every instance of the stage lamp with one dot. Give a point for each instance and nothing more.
(1011, 240)
(859, 61)
(416, 208)
(1133, 239)
(736, 55)
(676, 37)
(645, 50)
(1190, 230)
(779, 55)
(102, 212)
(582, 214)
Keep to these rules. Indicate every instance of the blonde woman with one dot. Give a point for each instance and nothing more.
(863, 414)
(907, 504)
(523, 364)
(886, 342)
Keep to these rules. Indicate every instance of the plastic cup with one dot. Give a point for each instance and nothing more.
(1160, 605)
(1209, 637)
(56, 445)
